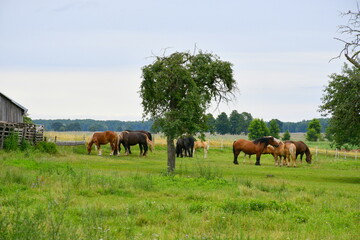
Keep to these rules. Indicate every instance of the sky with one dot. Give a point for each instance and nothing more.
(82, 59)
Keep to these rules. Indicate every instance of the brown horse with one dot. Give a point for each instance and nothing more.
(102, 138)
(133, 138)
(286, 150)
(268, 150)
(202, 144)
(301, 149)
(253, 147)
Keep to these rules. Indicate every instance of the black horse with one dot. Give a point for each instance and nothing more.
(140, 131)
(185, 144)
(133, 138)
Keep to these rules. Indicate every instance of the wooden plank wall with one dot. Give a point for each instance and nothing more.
(30, 132)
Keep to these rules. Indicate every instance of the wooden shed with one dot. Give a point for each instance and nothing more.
(11, 111)
(11, 120)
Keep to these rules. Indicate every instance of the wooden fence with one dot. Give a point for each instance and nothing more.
(29, 132)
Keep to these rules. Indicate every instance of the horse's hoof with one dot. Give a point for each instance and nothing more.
(236, 163)
(257, 164)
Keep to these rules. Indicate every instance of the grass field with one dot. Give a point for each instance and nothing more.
(71, 195)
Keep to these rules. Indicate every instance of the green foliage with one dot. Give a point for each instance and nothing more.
(27, 119)
(211, 122)
(258, 129)
(341, 100)
(222, 124)
(25, 145)
(47, 147)
(236, 120)
(274, 128)
(286, 136)
(11, 142)
(177, 89)
(314, 128)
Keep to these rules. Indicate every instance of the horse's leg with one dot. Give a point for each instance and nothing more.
(112, 149)
(99, 149)
(258, 159)
(301, 156)
(145, 149)
(236, 154)
(141, 149)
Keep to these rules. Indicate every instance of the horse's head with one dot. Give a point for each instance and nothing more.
(274, 141)
(308, 158)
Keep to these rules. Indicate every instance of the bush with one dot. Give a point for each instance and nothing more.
(24, 145)
(47, 147)
(11, 142)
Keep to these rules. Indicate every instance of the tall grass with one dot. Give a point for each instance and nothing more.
(72, 195)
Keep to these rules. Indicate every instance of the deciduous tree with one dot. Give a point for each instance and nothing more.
(177, 89)
(258, 129)
(341, 101)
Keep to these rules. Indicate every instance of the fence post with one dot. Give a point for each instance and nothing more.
(355, 154)
(345, 154)
(222, 143)
(316, 151)
(336, 153)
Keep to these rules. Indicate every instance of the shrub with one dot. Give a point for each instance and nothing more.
(11, 142)
(24, 145)
(47, 147)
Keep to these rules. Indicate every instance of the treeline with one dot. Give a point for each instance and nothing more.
(238, 123)
(93, 125)
(235, 123)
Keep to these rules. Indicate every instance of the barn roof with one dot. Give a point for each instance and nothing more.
(17, 104)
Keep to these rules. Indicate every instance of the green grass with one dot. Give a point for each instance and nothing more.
(72, 195)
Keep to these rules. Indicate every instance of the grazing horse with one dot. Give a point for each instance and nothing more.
(253, 147)
(151, 143)
(133, 138)
(202, 144)
(268, 150)
(302, 148)
(286, 150)
(186, 144)
(102, 138)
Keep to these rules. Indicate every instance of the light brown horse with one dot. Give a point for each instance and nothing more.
(202, 144)
(268, 150)
(253, 147)
(302, 148)
(286, 150)
(102, 138)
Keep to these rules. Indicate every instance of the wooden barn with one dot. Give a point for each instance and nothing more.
(11, 120)
(11, 111)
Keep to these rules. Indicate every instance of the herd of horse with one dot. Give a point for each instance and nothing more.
(284, 153)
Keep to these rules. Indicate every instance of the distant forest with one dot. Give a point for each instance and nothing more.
(114, 125)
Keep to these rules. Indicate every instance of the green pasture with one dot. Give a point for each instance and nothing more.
(72, 195)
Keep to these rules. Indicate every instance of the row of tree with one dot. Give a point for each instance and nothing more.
(236, 123)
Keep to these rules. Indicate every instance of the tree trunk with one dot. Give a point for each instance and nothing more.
(171, 154)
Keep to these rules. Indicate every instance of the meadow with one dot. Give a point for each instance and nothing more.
(72, 195)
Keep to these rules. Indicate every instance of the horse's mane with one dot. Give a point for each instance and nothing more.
(262, 140)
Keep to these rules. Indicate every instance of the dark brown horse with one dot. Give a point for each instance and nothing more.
(133, 138)
(102, 138)
(151, 143)
(253, 147)
(301, 149)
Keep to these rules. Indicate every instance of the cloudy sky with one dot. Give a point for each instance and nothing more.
(78, 59)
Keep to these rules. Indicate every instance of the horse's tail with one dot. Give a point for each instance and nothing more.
(90, 143)
(150, 143)
(207, 145)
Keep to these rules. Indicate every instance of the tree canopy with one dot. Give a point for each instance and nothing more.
(258, 129)
(341, 100)
(177, 89)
